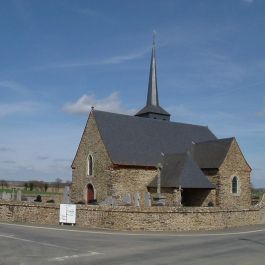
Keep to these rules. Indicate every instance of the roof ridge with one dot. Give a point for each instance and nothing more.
(150, 120)
(216, 140)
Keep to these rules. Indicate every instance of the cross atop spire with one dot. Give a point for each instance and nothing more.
(152, 108)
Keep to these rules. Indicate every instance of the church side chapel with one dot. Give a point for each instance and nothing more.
(177, 163)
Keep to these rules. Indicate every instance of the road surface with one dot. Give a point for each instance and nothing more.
(33, 245)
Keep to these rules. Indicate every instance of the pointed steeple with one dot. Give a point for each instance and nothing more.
(152, 96)
(152, 108)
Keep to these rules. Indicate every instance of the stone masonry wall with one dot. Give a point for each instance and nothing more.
(234, 165)
(135, 218)
(131, 180)
(24, 212)
(91, 143)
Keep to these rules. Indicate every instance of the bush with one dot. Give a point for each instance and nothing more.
(80, 202)
(38, 199)
(210, 204)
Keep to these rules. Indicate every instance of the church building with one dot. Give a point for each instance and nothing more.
(121, 154)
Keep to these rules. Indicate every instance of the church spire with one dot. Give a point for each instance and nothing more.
(152, 95)
(152, 108)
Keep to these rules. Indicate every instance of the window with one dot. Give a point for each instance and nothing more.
(90, 165)
(235, 185)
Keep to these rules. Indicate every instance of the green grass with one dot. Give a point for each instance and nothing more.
(33, 192)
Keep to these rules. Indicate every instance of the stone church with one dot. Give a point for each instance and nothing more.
(120, 154)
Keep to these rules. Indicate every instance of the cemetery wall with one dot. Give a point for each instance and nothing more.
(135, 218)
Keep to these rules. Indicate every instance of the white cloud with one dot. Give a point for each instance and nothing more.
(111, 103)
(117, 59)
(8, 109)
(12, 85)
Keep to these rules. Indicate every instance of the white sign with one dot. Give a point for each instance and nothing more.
(67, 213)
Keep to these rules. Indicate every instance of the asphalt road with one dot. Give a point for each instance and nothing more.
(32, 245)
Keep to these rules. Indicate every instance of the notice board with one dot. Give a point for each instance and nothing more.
(67, 213)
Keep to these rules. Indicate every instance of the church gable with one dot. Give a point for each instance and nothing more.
(235, 160)
(90, 166)
(234, 179)
(90, 141)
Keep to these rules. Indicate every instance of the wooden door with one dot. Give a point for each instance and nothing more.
(90, 193)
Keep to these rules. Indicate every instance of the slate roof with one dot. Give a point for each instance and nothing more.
(137, 141)
(211, 154)
(181, 170)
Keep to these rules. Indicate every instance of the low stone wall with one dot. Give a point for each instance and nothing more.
(134, 218)
(24, 212)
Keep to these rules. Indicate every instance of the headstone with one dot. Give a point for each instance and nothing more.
(19, 195)
(13, 195)
(137, 199)
(113, 203)
(147, 199)
(3, 195)
(127, 200)
(6, 196)
(66, 195)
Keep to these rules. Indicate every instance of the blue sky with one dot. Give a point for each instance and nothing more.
(60, 57)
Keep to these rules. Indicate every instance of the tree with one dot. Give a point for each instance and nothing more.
(3, 183)
(46, 186)
(58, 182)
(31, 185)
(26, 185)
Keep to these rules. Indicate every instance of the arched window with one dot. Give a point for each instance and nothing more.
(235, 185)
(90, 165)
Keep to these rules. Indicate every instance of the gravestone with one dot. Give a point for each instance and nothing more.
(113, 203)
(3, 195)
(147, 199)
(66, 195)
(137, 199)
(127, 200)
(6, 196)
(19, 195)
(13, 195)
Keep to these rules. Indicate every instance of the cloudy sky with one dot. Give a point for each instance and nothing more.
(58, 58)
